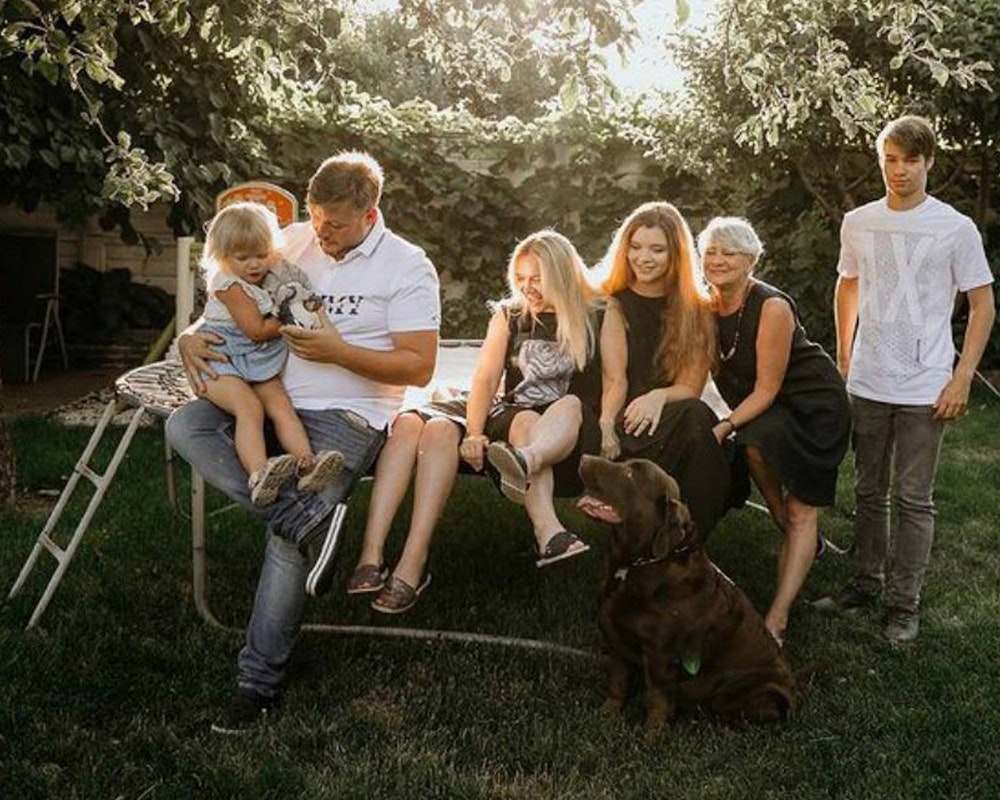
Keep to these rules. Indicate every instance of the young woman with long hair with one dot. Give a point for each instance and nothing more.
(657, 347)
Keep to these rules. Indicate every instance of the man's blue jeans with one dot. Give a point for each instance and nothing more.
(203, 435)
(895, 447)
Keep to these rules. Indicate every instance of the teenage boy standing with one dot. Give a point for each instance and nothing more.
(903, 259)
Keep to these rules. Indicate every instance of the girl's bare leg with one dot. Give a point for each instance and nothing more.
(392, 478)
(437, 466)
(538, 501)
(287, 425)
(553, 436)
(237, 397)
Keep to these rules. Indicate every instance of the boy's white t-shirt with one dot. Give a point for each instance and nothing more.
(909, 265)
(385, 285)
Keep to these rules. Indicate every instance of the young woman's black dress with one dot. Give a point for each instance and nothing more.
(804, 435)
(683, 443)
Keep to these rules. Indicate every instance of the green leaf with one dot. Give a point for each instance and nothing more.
(939, 72)
(12, 31)
(868, 104)
(691, 662)
(569, 94)
(96, 71)
(183, 24)
(896, 62)
(683, 11)
(48, 70)
(49, 157)
(71, 11)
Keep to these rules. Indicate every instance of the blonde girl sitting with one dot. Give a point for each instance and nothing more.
(542, 343)
(243, 269)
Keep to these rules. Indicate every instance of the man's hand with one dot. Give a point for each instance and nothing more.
(196, 355)
(322, 344)
(953, 399)
(471, 450)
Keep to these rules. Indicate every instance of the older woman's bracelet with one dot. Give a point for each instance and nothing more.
(732, 425)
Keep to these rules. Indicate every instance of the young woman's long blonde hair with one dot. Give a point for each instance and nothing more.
(564, 285)
(688, 333)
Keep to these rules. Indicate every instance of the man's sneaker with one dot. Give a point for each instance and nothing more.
(901, 625)
(320, 577)
(246, 710)
(851, 598)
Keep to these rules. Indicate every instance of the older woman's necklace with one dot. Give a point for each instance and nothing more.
(739, 324)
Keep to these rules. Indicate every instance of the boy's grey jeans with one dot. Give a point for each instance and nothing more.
(203, 435)
(896, 451)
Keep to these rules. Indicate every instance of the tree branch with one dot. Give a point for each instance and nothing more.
(834, 213)
(959, 169)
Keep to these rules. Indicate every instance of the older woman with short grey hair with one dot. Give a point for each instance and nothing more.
(790, 415)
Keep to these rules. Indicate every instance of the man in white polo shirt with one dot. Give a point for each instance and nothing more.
(346, 380)
(903, 259)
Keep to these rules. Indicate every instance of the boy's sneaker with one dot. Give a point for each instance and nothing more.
(901, 625)
(246, 710)
(320, 577)
(851, 598)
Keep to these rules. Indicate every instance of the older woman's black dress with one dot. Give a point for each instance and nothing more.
(683, 443)
(804, 435)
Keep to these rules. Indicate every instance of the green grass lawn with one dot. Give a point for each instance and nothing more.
(112, 696)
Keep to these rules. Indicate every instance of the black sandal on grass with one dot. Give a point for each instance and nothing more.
(561, 546)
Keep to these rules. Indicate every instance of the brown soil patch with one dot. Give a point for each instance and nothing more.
(54, 389)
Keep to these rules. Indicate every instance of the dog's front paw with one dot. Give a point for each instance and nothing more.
(659, 710)
(653, 731)
(655, 724)
(612, 706)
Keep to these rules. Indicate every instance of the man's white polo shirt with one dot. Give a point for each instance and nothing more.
(383, 286)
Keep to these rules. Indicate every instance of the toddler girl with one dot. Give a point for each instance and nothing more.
(245, 268)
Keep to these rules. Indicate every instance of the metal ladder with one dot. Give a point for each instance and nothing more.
(101, 482)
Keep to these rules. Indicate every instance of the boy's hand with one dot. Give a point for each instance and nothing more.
(954, 398)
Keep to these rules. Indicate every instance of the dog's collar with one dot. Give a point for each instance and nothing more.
(622, 572)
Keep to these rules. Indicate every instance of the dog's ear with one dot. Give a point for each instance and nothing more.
(687, 530)
(661, 507)
(663, 539)
(677, 529)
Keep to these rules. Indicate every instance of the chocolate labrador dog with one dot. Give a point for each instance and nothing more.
(668, 613)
